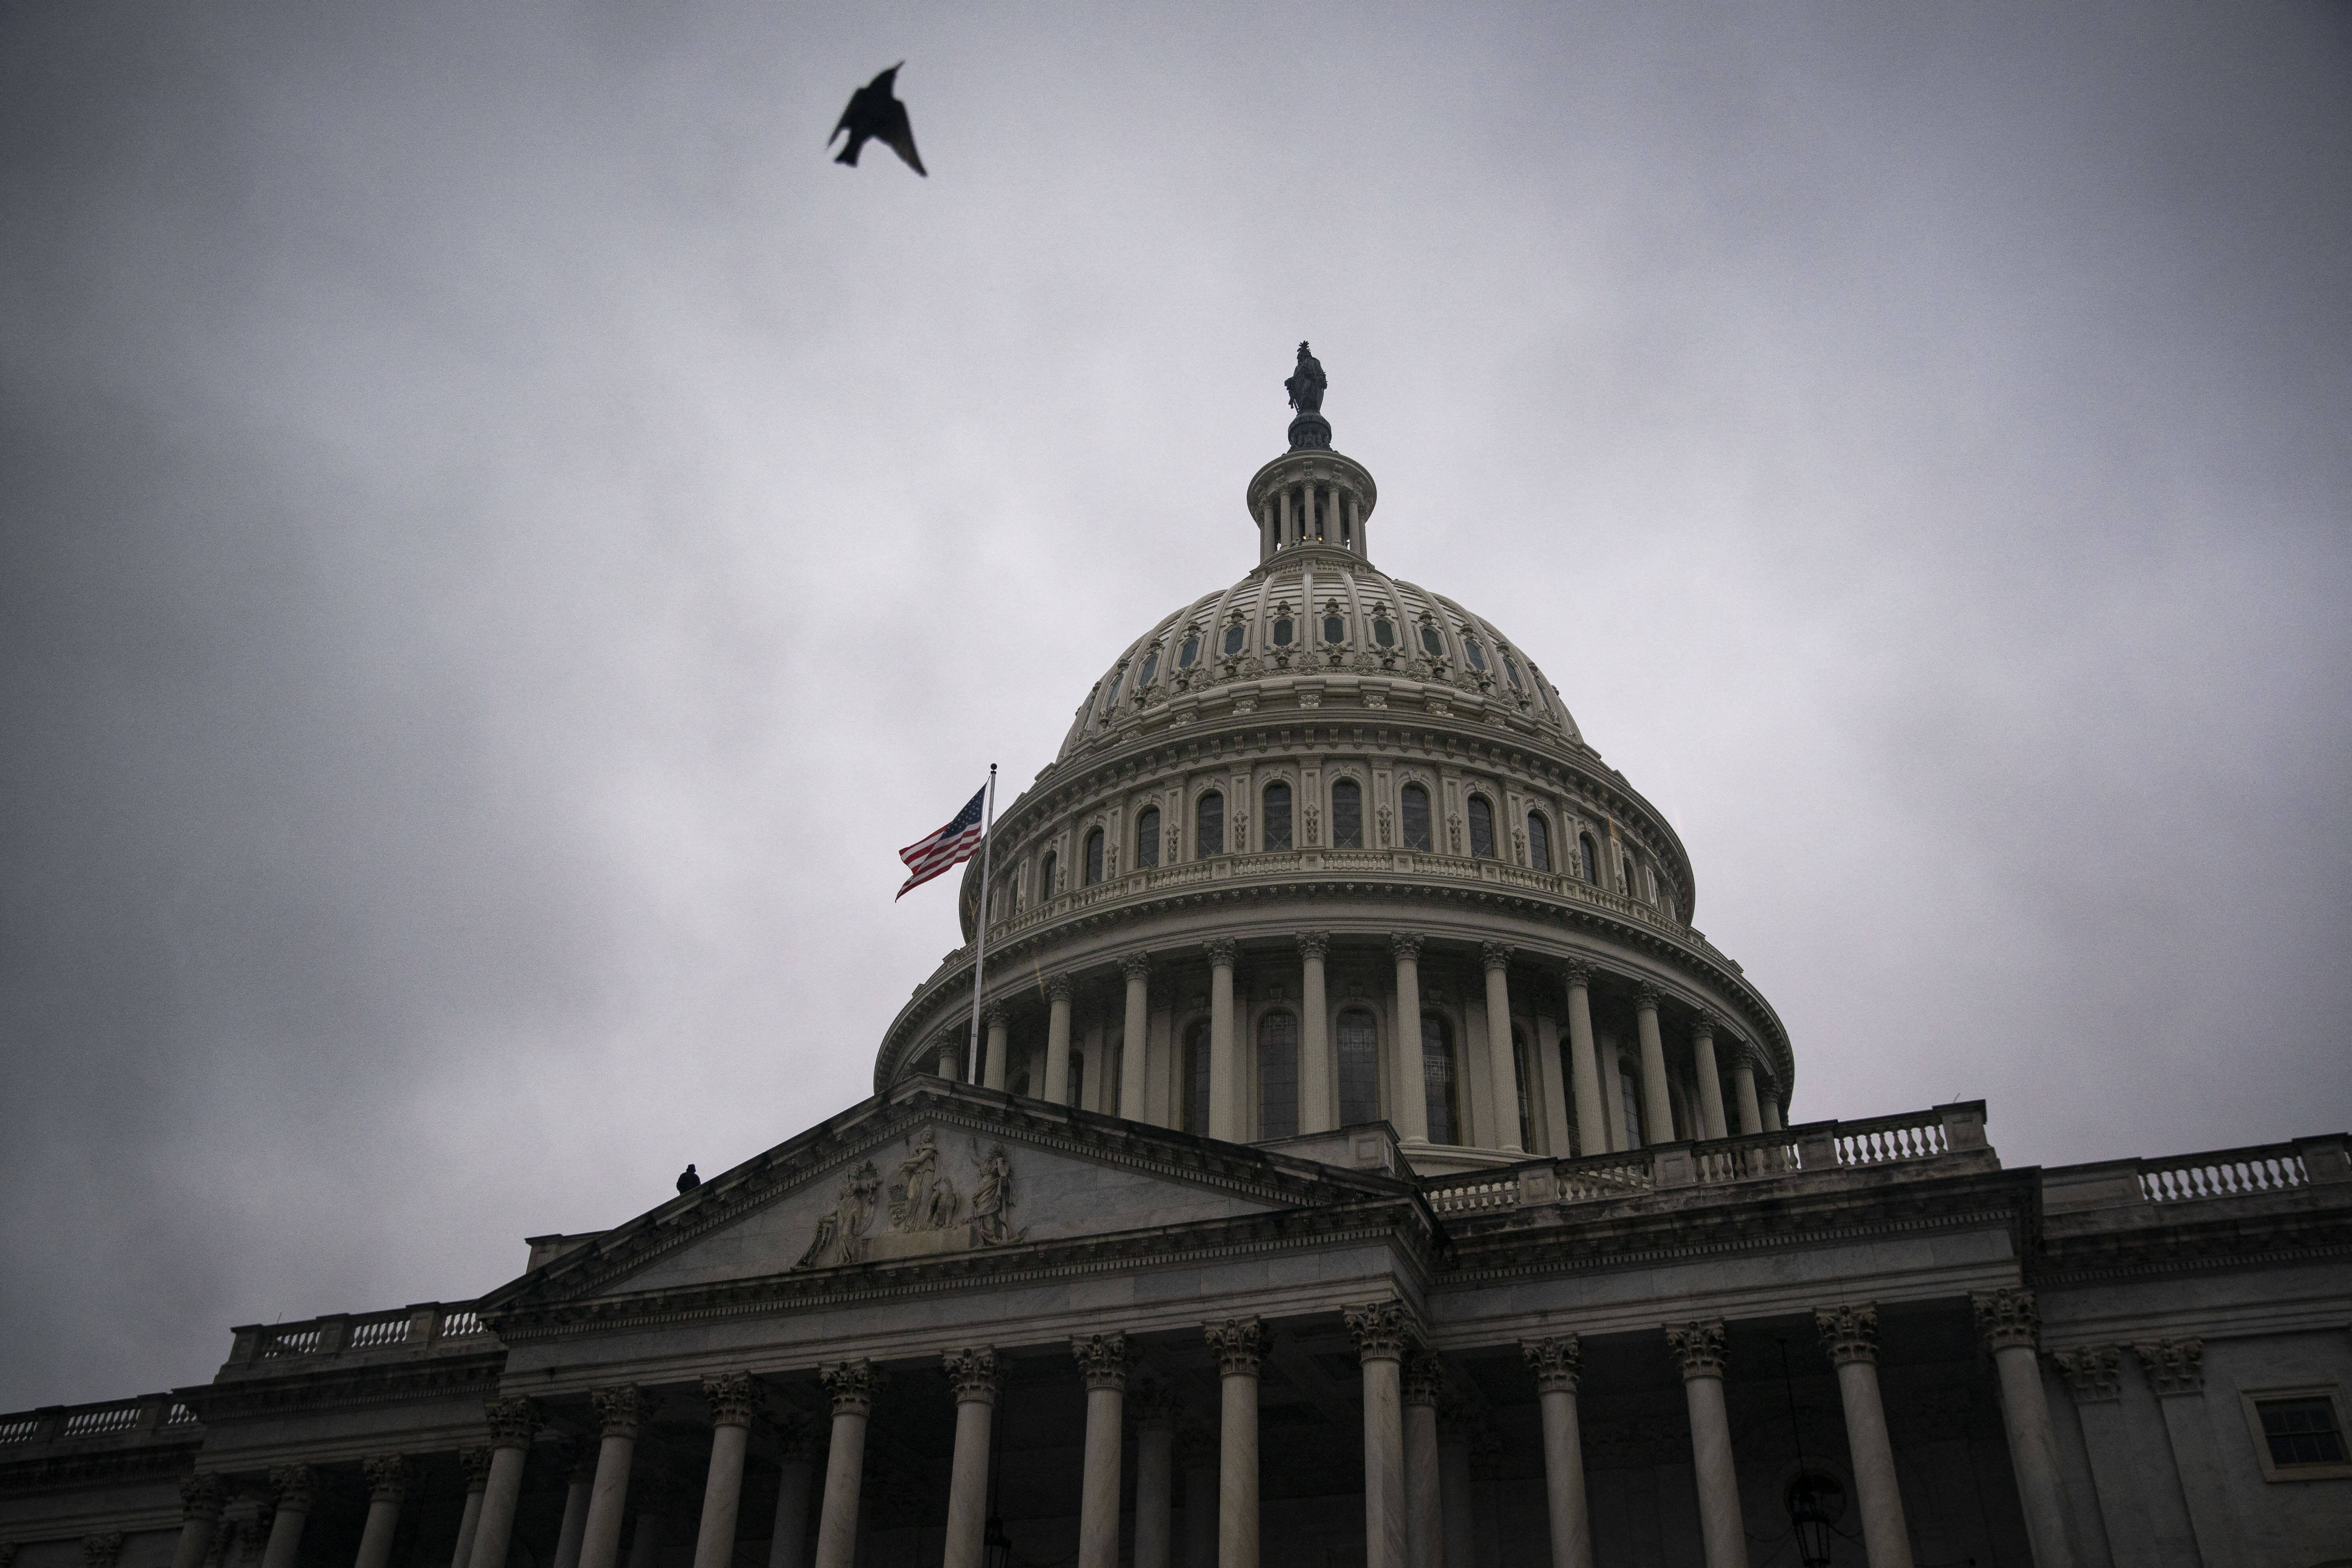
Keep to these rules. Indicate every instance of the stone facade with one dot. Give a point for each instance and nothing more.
(1373, 1178)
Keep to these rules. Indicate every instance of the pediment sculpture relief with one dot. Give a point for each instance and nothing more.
(926, 1213)
(841, 1231)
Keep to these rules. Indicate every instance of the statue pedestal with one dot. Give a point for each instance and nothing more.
(1310, 430)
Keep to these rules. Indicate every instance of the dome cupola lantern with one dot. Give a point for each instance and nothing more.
(1310, 497)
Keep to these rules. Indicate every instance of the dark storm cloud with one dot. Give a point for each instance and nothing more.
(502, 541)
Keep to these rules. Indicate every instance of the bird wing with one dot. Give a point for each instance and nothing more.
(850, 116)
(894, 132)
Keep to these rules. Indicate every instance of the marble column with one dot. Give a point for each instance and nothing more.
(1057, 1039)
(1453, 1490)
(1383, 1330)
(2175, 1371)
(1225, 1049)
(1424, 1512)
(1850, 1333)
(796, 1472)
(1155, 1476)
(1550, 1070)
(1196, 1453)
(514, 1421)
(1710, 1081)
(655, 1502)
(388, 1479)
(292, 1487)
(1657, 1106)
(1102, 1364)
(618, 1411)
(1558, 1364)
(993, 1064)
(1240, 1345)
(1133, 1073)
(2010, 1325)
(975, 1376)
(1743, 1084)
(1318, 1110)
(853, 1386)
(475, 1464)
(1408, 1074)
(1502, 1061)
(579, 1486)
(1772, 1107)
(1698, 1346)
(1593, 1117)
(203, 1500)
(733, 1398)
(951, 1060)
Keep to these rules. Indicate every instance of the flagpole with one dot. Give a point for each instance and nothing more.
(980, 956)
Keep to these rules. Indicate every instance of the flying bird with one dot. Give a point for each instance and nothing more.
(874, 113)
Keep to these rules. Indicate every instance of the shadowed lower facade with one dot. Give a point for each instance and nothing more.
(1364, 1161)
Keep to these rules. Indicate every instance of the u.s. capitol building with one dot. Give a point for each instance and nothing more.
(1364, 1160)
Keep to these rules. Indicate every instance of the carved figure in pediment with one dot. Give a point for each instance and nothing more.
(840, 1232)
(991, 1221)
(920, 1198)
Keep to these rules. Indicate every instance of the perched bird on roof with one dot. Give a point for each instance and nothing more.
(688, 1180)
(876, 114)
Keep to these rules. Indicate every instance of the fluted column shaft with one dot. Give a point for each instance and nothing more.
(1592, 1119)
(853, 1386)
(1225, 1048)
(203, 1500)
(1410, 1114)
(1057, 1039)
(1558, 1364)
(2010, 1324)
(1382, 1332)
(1200, 1504)
(387, 1480)
(1240, 1346)
(1710, 1081)
(1133, 1074)
(1502, 1061)
(1850, 1334)
(1699, 1347)
(1318, 1110)
(617, 1413)
(788, 1534)
(1155, 1478)
(733, 1398)
(1657, 1106)
(476, 1465)
(292, 1485)
(513, 1421)
(1102, 1362)
(992, 1067)
(1743, 1085)
(951, 1062)
(975, 1376)
(1772, 1110)
(1425, 1495)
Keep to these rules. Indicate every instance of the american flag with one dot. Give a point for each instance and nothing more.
(951, 846)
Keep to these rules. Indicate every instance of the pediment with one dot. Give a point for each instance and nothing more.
(934, 1170)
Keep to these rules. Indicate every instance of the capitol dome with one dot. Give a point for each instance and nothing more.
(1300, 813)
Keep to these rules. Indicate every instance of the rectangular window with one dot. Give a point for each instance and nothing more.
(1209, 827)
(1360, 1068)
(1347, 814)
(2301, 1431)
(1278, 817)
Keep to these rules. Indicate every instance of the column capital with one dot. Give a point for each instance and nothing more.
(1645, 998)
(1314, 944)
(1136, 965)
(203, 1495)
(1383, 1330)
(853, 1384)
(1221, 951)
(1102, 1358)
(1704, 1025)
(1424, 1377)
(1559, 1362)
(1495, 954)
(514, 1421)
(1404, 946)
(1058, 987)
(476, 1463)
(1576, 975)
(619, 1409)
(734, 1397)
(2093, 1373)
(1698, 1346)
(2172, 1366)
(100, 1550)
(388, 1477)
(1849, 1331)
(993, 1016)
(975, 1372)
(2007, 1318)
(1154, 1404)
(1239, 1344)
(292, 1486)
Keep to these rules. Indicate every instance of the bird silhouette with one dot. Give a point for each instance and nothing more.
(876, 114)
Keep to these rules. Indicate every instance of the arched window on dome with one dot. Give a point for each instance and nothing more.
(1347, 814)
(1383, 630)
(1277, 1075)
(1360, 1068)
(1437, 1076)
(1478, 655)
(1276, 824)
(1047, 870)
(1511, 670)
(1189, 654)
(1433, 641)
(1236, 636)
(1094, 857)
(1150, 667)
(1209, 826)
(1335, 627)
(1482, 829)
(1590, 855)
(1412, 816)
(1285, 629)
(1196, 1076)
(1538, 841)
(1146, 836)
(1111, 699)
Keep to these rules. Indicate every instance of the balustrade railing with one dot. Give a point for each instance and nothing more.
(1883, 1139)
(405, 1327)
(2228, 1173)
(97, 1420)
(1471, 1195)
(149, 1416)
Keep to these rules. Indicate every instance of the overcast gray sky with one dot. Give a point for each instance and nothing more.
(500, 541)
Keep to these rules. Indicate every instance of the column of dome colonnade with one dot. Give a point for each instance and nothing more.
(1699, 1081)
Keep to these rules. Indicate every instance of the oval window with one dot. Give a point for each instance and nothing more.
(1478, 655)
(1431, 642)
(1282, 632)
(1191, 651)
(1234, 635)
(1335, 629)
(1384, 632)
(1150, 667)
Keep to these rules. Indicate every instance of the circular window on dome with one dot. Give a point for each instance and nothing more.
(1235, 636)
(1432, 641)
(1478, 655)
(1284, 629)
(1384, 631)
(1190, 654)
(1151, 667)
(1335, 629)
